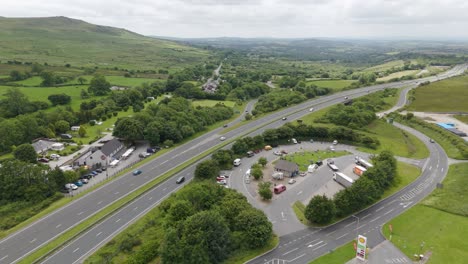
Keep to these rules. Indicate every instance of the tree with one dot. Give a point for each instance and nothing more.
(81, 80)
(151, 133)
(99, 85)
(257, 173)
(180, 210)
(17, 76)
(48, 79)
(128, 129)
(263, 161)
(320, 210)
(59, 99)
(84, 94)
(207, 169)
(248, 116)
(255, 228)
(264, 190)
(62, 126)
(25, 152)
(82, 131)
(15, 103)
(224, 158)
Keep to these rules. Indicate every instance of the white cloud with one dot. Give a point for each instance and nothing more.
(262, 18)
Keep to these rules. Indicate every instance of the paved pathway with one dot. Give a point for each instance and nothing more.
(383, 253)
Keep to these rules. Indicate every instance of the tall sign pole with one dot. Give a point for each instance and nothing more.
(361, 248)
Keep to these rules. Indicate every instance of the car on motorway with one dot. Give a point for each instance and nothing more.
(137, 172)
(225, 125)
(180, 180)
(222, 138)
(284, 118)
(346, 97)
(311, 109)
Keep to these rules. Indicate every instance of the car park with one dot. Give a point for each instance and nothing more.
(180, 180)
(137, 172)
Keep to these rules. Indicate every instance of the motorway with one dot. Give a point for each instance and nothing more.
(18, 245)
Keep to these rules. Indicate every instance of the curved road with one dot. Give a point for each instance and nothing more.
(18, 245)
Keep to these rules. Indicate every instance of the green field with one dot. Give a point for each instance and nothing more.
(211, 103)
(332, 84)
(463, 118)
(61, 40)
(386, 66)
(303, 158)
(398, 75)
(338, 256)
(33, 81)
(399, 142)
(440, 221)
(449, 95)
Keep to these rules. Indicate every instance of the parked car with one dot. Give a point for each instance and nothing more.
(79, 183)
(87, 176)
(291, 181)
(330, 161)
(222, 182)
(284, 151)
(54, 156)
(43, 160)
(72, 186)
(104, 168)
(220, 178)
(277, 153)
(180, 180)
(319, 162)
(85, 181)
(94, 173)
(303, 174)
(98, 170)
(137, 172)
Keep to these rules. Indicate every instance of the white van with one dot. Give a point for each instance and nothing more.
(237, 162)
(294, 141)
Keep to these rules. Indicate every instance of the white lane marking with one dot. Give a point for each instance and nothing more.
(407, 204)
(375, 219)
(290, 251)
(331, 232)
(131, 184)
(341, 236)
(359, 227)
(80, 213)
(116, 193)
(59, 225)
(430, 167)
(165, 161)
(366, 216)
(297, 257)
(392, 202)
(299, 193)
(150, 198)
(350, 223)
(4, 257)
(32, 241)
(319, 247)
(76, 250)
(100, 202)
(312, 241)
(380, 208)
(321, 241)
(442, 170)
(164, 189)
(389, 211)
(135, 208)
(117, 220)
(437, 165)
(98, 233)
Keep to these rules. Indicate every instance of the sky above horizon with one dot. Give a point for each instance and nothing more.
(424, 19)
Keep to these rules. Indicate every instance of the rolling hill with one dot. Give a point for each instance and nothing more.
(62, 40)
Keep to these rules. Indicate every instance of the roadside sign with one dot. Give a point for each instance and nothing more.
(355, 246)
(390, 226)
(361, 248)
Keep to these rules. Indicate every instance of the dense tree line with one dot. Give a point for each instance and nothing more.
(172, 120)
(364, 191)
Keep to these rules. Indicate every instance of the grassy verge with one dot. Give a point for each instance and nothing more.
(244, 256)
(338, 256)
(406, 174)
(463, 118)
(439, 221)
(303, 158)
(74, 232)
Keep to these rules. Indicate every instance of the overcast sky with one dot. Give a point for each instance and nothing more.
(262, 18)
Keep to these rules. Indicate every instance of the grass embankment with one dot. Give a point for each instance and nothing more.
(449, 95)
(386, 66)
(463, 118)
(440, 221)
(335, 85)
(406, 174)
(303, 159)
(338, 256)
(398, 75)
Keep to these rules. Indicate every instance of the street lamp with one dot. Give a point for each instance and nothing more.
(357, 226)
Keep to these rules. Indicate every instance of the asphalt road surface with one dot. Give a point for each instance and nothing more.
(18, 245)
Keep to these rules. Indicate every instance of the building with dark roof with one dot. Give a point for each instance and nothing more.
(104, 154)
(289, 169)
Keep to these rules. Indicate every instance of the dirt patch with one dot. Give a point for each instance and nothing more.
(442, 118)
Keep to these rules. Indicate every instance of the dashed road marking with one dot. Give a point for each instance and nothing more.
(76, 250)
(290, 251)
(319, 247)
(342, 236)
(350, 223)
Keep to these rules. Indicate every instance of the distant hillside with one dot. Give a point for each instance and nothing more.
(61, 40)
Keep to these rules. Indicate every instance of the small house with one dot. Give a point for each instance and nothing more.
(289, 169)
